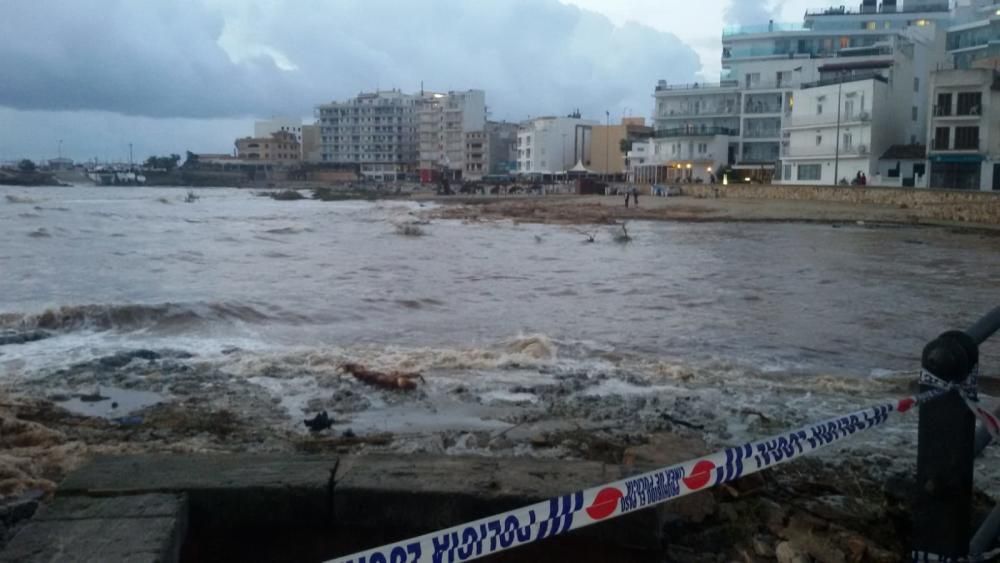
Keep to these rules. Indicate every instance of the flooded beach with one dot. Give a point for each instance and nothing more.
(220, 325)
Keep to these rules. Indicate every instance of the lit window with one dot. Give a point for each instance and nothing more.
(922, 23)
(871, 26)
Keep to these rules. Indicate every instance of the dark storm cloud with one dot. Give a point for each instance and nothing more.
(164, 59)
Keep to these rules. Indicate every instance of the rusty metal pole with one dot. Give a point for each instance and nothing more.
(945, 453)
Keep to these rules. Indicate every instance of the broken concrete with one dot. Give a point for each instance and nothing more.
(135, 529)
(371, 499)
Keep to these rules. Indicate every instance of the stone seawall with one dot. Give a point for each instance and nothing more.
(921, 204)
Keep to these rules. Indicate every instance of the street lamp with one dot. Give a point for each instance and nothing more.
(836, 155)
(607, 145)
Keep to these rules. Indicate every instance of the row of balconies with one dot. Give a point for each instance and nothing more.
(828, 119)
(823, 150)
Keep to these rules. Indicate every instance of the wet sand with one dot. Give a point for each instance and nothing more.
(582, 210)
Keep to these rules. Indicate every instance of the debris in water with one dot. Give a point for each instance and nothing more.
(395, 380)
(318, 423)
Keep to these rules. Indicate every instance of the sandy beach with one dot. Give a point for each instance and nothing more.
(582, 210)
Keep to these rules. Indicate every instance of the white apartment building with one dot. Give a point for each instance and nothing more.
(764, 65)
(697, 132)
(965, 130)
(839, 129)
(976, 33)
(553, 145)
(443, 121)
(376, 131)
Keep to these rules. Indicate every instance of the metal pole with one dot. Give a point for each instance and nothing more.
(607, 145)
(836, 157)
(945, 450)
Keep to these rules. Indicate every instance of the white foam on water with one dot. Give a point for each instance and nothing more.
(500, 396)
(618, 387)
(294, 394)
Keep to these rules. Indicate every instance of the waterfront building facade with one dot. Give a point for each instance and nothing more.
(280, 148)
(553, 145)
(964, 152)
(375, 131)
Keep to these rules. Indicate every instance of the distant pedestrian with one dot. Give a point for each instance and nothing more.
(626, 198)
(635, 196)
(864, 179)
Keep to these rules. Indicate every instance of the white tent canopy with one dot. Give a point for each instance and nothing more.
(579, 168)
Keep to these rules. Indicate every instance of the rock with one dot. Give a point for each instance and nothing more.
(812, 536)
(13, 337)
(860, 548)
(122, 359)
(786, 553)
(774, 515)
(763, 545)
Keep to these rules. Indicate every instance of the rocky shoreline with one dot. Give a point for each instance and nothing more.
(829, 508)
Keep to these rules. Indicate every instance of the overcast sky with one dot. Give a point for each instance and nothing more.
(176, 75)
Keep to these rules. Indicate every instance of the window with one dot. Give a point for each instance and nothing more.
(969, 103)
(848, 140)
(809, 172)
(849, 109)
(819, 108)
(913, 113)
(871, 26)
(819, 140)
(787, 172)
(966, 138)
(941, 138)
(916, 84)
(943, 105)
(702, 148)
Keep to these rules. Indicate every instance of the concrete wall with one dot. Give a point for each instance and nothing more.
(937, 205)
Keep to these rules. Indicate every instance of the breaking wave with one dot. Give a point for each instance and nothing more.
(172, 316)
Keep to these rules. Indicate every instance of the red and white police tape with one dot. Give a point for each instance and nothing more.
(559, 515)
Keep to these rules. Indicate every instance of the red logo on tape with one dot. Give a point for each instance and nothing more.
(605, 503)
(700, 475)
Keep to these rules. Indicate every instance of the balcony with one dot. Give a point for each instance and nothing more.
(761, 133)
(824, 151)
(695, 132)
(759, 108)
(703, 112)
(965, 145)
(662, 86)
(776, 27)
(828, 120)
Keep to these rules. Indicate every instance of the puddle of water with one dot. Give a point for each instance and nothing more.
(110, 402)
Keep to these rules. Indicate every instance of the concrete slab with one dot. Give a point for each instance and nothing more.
(166, 473)
(145, 528)
(410, 494)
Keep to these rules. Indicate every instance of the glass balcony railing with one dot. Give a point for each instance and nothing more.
(775, 27)
(695, 132)
(762, 133)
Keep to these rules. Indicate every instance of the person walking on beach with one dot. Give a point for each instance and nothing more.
(635, 196)
(626, 198)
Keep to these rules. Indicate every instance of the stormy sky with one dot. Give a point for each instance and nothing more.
(175, 75)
